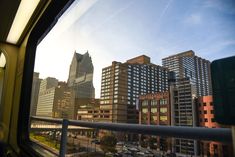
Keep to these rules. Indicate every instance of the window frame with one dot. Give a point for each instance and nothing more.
(42, 27)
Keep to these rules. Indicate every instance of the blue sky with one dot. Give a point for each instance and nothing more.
(120, 29)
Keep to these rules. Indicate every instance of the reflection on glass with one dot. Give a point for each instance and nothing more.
(143, 62)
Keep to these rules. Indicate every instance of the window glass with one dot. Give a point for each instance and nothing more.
(144, 110)
(153, 102)
(145, 103)
(101, 57)
(153, 110)
(163, 118)
(163, 110)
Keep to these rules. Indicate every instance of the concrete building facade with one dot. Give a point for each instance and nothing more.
(55, 100)
(183, 113)
(205, 110)
(154, 109)
(88, 109)
(46, 97)
(188, 65)
(122, 83)
(64, 102)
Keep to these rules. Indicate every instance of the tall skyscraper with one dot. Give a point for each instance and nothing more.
(46, 97)
(81, 76)
(122, 83)
(187, 64)
(34, 93)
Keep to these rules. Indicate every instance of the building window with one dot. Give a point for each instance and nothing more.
(205, 112)
(205, 120)
(153, 102)
(144, 110)
(163, 101)
(153, 110)
(163, 109)
(154, 118)
(204, 104)
(145, 103)
(163, 118)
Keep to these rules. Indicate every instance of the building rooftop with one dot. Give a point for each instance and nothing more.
(143, 59)
(188, 53)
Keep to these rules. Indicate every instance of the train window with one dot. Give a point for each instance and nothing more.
(104, 59)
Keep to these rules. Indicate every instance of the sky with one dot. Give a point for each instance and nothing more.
(118, 30)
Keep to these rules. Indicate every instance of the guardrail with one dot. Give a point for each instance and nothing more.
(196, 133)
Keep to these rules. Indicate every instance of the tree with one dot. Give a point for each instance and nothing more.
(108, 143)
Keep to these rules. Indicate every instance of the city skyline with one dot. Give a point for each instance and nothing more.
(116, 30)
(170, 101)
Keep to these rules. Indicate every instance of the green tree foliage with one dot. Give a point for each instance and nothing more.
(152, 141)
(108, 143)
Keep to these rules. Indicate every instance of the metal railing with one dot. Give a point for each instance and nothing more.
(195, 133)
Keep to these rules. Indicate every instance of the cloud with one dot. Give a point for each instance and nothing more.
(165, 10)
(112, 16)
(194, 19)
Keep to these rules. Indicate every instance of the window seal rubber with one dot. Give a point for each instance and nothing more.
(46, 22)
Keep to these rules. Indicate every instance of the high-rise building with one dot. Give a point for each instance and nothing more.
(154, 109)
(64, 102)
(55, 99)
(34, 93)
(122, 83)
(81, 76)
(88, 109)
(46, 97)
(187, 64)
(205, 110)
(183, 113)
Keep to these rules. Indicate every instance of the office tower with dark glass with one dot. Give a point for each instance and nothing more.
(34, 93)
(187, 64)
(122, 83)
(81, 76)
